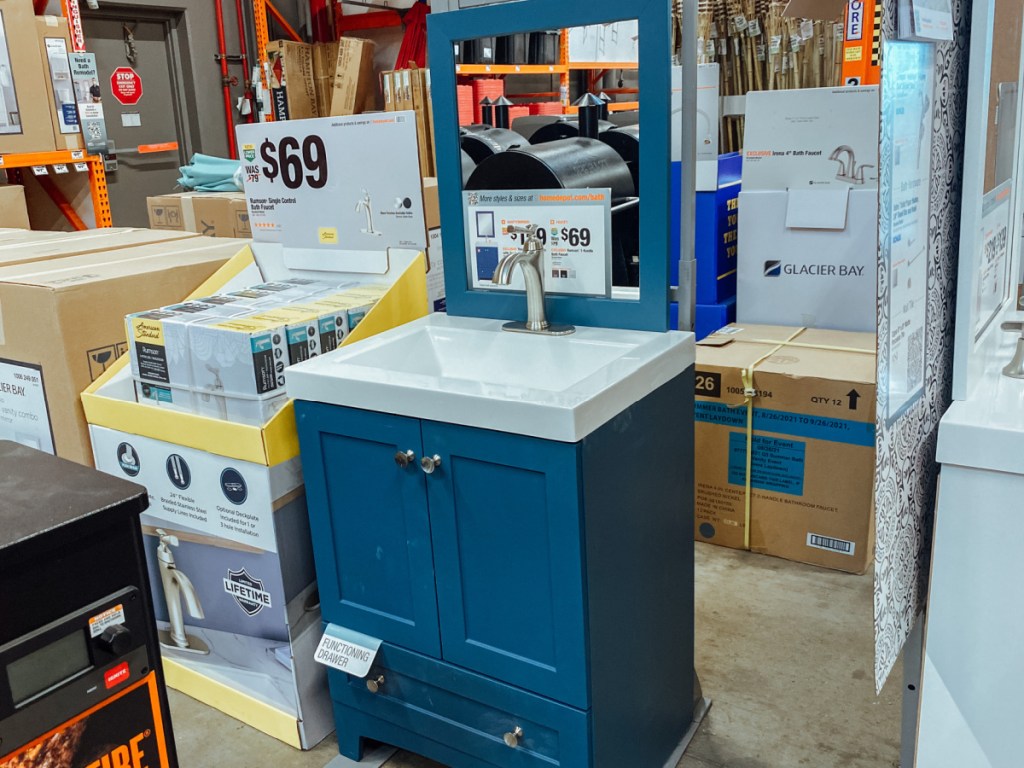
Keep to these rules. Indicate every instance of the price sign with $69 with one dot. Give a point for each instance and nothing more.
(296, 162)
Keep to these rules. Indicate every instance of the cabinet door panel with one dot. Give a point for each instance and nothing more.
(505, 520)
(371, 532)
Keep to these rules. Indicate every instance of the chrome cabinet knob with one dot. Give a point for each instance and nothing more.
(405, 458)
(430, 463)
(512, 738)
(374, 684)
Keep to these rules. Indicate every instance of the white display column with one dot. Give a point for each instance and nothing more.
(972, 701)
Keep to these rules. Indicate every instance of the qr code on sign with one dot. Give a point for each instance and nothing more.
(915, 358)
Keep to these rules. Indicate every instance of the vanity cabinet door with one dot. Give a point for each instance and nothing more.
(371, 531)
(505, 516)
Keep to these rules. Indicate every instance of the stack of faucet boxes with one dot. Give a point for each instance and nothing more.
(223, 356)
(196, 412)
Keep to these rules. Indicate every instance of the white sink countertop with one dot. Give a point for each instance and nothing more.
(986, 431)
(467, 370)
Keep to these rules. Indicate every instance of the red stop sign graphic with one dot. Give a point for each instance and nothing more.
(126, 85)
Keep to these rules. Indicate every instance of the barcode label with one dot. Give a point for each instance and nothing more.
(831, 545)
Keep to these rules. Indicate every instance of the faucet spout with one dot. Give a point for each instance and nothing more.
(845, 172)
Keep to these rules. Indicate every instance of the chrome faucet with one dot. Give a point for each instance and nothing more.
(530, 259)
(1015, 368)
(177, 585)
(846, 173)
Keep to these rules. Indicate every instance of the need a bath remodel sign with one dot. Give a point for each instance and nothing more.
(24, 416)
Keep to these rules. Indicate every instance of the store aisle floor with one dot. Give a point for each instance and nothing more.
(783, 650)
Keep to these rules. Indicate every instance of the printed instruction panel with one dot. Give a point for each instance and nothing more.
(908, 90)
(24, 417)
(572, 225)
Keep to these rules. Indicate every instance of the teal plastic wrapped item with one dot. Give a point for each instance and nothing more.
(206, 173)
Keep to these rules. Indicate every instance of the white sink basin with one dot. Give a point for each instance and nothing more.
(464, 370)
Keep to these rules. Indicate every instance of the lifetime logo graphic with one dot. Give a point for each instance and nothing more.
(778, 269)
(247, 591)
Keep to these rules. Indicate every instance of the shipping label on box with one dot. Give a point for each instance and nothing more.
(811, 450)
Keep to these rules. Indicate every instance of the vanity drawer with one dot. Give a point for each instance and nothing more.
(468, 712)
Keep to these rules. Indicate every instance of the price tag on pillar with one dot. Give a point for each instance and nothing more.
(336, 192)
(572, 226)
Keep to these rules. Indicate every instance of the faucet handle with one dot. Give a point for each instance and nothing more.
(1016, 326)
(166, 538)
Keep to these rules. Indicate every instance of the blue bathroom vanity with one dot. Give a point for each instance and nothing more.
(512, 517)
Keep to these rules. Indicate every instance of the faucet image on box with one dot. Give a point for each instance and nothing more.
(177, 585)
(217, 386)
(530, 259)
(365, 204)
(853, 173)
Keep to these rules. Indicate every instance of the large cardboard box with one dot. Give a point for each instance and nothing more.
(24, 112)
(43, 246)
(54, 46)
(811, 449)
(63, 326)
(13, 210)
(291, 80)
(344, 72)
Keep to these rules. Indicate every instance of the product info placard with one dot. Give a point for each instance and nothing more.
(572, 225)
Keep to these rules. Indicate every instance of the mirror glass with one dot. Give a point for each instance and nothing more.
(549, 133)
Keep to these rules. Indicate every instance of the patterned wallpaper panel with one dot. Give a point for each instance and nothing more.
(906, 472)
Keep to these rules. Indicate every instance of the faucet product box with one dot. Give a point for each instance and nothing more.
(63, 326)
(291, 80)
(54, 46)
(24, 110)
(231, 567)
(238, 356)
(811, 451)
(795, 269)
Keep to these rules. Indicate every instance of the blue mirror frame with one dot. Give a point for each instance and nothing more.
(651, 312)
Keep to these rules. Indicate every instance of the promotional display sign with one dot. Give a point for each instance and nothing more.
(812, 137)
(89, 99)
(909, 82)
(573, 226)
(333, 208)
(61, 81)
(24, 417)
(993, 283)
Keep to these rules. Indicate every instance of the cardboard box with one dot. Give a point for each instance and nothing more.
(43, 246)
(54, 46)
(13, 210)
(348, 64)
(812, 450)
(221, 214)
(291, 80)
(796, 269)
(24, 109)
(63, 326)
(214, 214)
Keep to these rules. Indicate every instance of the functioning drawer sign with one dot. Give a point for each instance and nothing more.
(24, 417)
(347, 650)
(573, 226)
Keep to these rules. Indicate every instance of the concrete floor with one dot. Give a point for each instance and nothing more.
(783, 650)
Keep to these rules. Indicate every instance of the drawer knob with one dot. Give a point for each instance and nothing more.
(405, 458)
(430, 463)
(512, 738)
(374, 684)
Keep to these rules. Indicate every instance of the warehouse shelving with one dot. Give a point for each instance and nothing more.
(42, 164)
